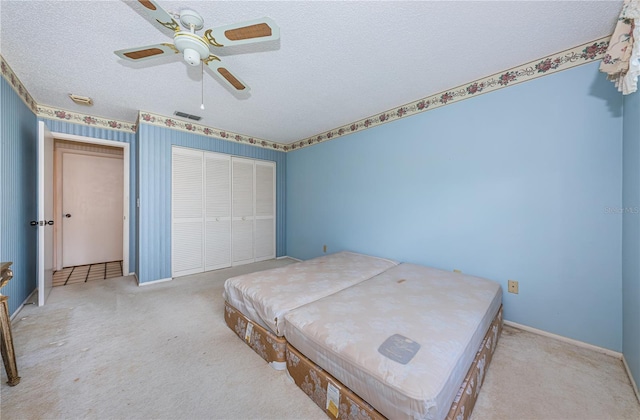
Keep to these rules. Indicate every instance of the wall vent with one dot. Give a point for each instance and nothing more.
(185, 115)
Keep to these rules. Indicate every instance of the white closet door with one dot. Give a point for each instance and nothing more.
(187, 227)
(242, 210)
(217, 211)
(265, 221)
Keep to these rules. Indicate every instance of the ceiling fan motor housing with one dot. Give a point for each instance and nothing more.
(193, 47)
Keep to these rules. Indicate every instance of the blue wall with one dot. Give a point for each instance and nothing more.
(154, 178)
(18, 189)
(631, 236)
(60, 126)
(514, 184)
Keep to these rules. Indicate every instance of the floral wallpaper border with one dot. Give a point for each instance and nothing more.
(84, 119)
(17, 85)
(564, 60)
(177, 124)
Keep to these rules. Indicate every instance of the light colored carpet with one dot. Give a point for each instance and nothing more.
(536, 377)
(111, 349)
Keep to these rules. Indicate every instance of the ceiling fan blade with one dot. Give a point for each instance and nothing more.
(160, 15)
(258, 30)
(225, 75)
(145, 53)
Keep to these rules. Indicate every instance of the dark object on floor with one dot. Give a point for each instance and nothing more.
(85, 273)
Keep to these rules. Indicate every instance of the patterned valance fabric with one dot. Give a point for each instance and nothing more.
(622, 60)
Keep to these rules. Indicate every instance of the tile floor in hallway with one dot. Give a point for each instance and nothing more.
(85, 273)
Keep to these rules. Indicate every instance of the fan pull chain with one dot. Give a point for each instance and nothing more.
(202, 84)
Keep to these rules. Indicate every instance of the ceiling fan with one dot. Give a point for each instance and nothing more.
(194, 47)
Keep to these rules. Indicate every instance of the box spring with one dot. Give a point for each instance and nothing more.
(270, 347)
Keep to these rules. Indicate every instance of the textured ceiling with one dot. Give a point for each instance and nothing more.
(336, 62)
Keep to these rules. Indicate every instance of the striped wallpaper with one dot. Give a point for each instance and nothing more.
(18, 189)
(154, 230)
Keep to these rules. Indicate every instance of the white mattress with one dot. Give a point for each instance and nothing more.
(265, 296)
(446, 313)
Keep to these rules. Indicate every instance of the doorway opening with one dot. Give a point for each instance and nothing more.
(91, 209)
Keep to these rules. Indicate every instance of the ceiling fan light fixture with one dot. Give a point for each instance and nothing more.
(81, 100)
(191, 57)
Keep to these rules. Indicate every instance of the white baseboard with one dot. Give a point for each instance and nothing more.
(148, 283)
(26, 301)
(286, 256)
(633, 383)
(133, 274)
(582, 344)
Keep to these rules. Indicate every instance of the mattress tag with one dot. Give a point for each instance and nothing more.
(399, 348)
(333, 399)
(247, 332)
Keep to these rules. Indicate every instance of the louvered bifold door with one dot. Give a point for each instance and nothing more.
(265, 221)
(217, 211)
(242, 210)
(187, 218)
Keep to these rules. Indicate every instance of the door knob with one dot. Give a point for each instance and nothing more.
(67, 215)
(49, 222)
(33, 223)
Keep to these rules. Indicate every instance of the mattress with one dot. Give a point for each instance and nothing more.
(333, 397)
(266, 296)
(403, 341)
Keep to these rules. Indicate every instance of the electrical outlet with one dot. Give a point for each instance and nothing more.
(513, 286)
(324, 248)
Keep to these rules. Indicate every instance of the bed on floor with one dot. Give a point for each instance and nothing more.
(411, 342)
(256, 303)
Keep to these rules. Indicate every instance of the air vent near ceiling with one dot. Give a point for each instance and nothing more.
(81, 100)
(185, 115)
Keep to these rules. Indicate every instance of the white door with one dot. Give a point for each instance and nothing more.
(217, 169)
(223, 211)
(92, 207)
(242, 210)
(187, 219)
(45, 213)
